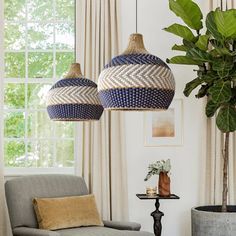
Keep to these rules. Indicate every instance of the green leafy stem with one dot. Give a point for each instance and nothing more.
(214, 54)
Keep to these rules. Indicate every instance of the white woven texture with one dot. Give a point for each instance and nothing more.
(136, 76)
(73, 95)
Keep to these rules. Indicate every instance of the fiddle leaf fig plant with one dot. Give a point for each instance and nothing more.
(213, 50)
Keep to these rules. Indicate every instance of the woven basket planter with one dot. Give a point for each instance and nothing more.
(74, 98)
(136, 80)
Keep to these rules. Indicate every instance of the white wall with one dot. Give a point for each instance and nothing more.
(153, 16)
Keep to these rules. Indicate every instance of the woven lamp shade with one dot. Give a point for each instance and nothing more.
(74, 98)
(136, 80)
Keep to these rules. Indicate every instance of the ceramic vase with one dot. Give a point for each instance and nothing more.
(164, 184)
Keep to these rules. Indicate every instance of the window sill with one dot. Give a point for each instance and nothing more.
(20, 171)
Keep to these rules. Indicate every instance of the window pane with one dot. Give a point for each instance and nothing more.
(14, 10)
(65, 36)
(64, 129)
(65, 153)
(14, 125)
(40, 65)
(41, 152)
(15, 65)
(40, 36)
(37, 95)
(64, 59)
(39, 125)
(40, 10)
(39, 44)
(14, 96)
(14, 36)
(13, 152)
(65, 9)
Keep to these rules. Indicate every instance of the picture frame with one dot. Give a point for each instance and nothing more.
(164, 127)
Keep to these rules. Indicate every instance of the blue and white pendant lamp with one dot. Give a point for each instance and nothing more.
(136, 80)
(74, 98)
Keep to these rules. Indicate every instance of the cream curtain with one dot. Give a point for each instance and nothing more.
(5, 229)
(102, 160)
(213, 4)
(215, 144)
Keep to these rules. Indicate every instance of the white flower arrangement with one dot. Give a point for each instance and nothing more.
(158, 167)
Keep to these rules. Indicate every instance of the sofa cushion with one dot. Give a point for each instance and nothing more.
(20, 192)
(67, 212)
(100, 231)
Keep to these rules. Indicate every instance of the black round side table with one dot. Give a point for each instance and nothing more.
(157, 214)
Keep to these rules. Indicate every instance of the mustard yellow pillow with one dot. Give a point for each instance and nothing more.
(66, 212)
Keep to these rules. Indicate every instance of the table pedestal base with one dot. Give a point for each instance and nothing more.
(157, 215)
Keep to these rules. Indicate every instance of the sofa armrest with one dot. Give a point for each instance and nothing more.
(25, 231)
(121, 225)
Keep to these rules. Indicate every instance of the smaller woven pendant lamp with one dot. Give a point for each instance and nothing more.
(74, 98)
(136, 80)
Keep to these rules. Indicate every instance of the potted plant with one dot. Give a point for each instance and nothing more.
(161, 168)
(213, 50)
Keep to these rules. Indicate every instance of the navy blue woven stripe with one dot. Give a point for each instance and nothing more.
(136, 59)
(74, 82)
(75, 112)
(136, 98)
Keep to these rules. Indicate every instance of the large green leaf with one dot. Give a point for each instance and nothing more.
(211, 108)
(203, 91)
(214, 53)
(226, 119)
(191, 86)
(219, 65)
(183, 60)
(221, 92)
(209, 77)
(220, 48)
(211, 25)
(202, 42)
(199, 55)
(224, 51)
(188, 11)
(226, 22)
(189, 44)
(181, 31)
(180, 48)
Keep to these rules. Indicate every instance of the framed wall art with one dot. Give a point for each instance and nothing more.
(164, 128)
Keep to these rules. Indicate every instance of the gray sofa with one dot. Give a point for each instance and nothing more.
(21, 191)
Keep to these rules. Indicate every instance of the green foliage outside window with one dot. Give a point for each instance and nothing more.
(39, 47)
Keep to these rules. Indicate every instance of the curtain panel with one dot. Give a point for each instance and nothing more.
(5, 228)
(213, 168)
(102, 161)
(213, 4)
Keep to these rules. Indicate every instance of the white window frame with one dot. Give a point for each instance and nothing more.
(19, 171)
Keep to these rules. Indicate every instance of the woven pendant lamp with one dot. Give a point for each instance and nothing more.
(136, 80)
(74, 98)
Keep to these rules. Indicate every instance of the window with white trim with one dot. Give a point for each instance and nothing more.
(39, 47)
